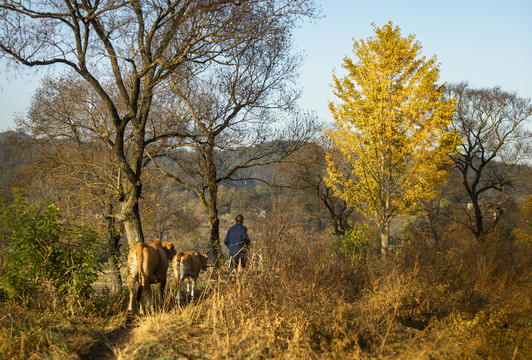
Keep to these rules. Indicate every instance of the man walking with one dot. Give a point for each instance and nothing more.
(237, 242)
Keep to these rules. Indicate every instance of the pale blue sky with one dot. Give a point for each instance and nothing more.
(488, 43)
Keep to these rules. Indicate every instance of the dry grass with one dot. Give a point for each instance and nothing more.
(459, 299)
(34, 330)
(310, 304)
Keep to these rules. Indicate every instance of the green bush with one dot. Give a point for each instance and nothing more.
(43, 254)
(354, 243)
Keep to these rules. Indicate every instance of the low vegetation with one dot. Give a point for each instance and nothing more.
(312, 298)
(470, 302)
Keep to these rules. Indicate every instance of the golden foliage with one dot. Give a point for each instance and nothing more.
(391, 124)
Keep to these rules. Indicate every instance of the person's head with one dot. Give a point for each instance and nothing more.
(239, 219)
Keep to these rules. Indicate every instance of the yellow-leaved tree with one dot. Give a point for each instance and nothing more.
(392, 126)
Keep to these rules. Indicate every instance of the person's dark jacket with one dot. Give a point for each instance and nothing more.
(236, 240)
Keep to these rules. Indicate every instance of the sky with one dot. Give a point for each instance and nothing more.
(487, 43)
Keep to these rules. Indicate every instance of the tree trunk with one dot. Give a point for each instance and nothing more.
(384, 232)
(478, 228)
(214, 237)
(116, 278)
(479, 220)
(340, 221)
(133, 226)
(130, 214)
(210, 204)
(113, 250)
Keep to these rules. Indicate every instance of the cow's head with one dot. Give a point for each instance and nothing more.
(170, 250)
(204, 258)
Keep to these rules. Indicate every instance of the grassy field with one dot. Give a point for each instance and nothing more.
(300, 300)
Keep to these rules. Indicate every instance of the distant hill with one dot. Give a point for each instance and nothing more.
(14, 155)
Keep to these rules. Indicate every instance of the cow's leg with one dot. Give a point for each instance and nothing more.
(132, 293)
(193, 281)
(147, 299)
(180, 275)
(139, 294)
(161, 293)
(141, 299)
(180, 279)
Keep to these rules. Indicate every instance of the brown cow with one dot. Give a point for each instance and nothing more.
(188, 264)
(147, 263)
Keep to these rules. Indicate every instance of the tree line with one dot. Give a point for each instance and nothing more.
(139, 75)
(201, 94)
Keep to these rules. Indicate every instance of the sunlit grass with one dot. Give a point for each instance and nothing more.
(305, 302)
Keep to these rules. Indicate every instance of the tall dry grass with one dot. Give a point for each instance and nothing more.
(36, 330)
(451, 299)
(299, 300)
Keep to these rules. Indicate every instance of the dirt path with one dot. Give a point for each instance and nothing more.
(103, 348)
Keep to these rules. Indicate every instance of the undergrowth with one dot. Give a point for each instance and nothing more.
(444, 304)
(32, 330)
(301, 299)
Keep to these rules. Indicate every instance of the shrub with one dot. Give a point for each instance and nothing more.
(43, 254)
(354, 243)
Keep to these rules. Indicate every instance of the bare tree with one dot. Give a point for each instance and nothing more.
(125, 50)
(85, 177)
(305, 170)
(238, 116)
(492, 123)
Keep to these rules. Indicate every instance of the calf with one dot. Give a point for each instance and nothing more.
(147, 263)
(188, 264)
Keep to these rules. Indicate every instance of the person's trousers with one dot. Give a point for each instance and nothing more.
(235, 261)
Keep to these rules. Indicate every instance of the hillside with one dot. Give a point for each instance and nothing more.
(14, 155)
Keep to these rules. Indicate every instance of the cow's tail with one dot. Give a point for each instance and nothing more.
(177, 262)
(140, 274)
